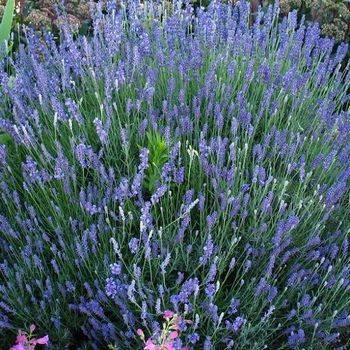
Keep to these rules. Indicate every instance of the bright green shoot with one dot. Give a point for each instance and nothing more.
(6, 23)
(158, 155)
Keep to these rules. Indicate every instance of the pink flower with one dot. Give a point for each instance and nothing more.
(170, 332)
(21, 338)
(150, 345)
(175, 326)
(168, 346)
(173, 335)
(40, 341)
(168, 314)
(25, 341)
(141, 334)
(19, 346)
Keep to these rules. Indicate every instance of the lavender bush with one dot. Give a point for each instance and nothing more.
(192, 162)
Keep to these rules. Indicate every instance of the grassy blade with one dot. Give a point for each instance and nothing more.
(6, 23)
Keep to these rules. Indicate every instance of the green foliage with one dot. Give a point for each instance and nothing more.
(4, 139)
(6, 23)
(158, 155)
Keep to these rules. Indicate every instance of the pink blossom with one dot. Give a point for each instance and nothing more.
(19, 346)
(168, 314)
(40, 341)
(141, 334)
(21, 338)
(173, 335)
(150, 345)
(175, 326)
(165, 340)
(25, 341)
(168, 346)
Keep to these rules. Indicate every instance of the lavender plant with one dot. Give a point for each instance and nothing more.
(244, 233)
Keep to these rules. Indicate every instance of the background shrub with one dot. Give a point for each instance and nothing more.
(332, 15)
(45, 14)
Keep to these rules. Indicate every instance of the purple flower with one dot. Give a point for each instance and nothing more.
(143, 159)
(335, 193)
(134, 245)
(3, 155)
(208, 250)
(212, 271)
(188, 288)
(283, 227)
(100, 130)
(193, 338)
(116, 269)
(31, 172)
(61, 167)
(210, 290)
(211, 220)
(296, 338)
(236, 324)
(341, 322)
(207, 344)
(165, 263)
(291, 314)
(158, 194)
(266, 203)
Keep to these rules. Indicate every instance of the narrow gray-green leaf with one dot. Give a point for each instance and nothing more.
(6, 23)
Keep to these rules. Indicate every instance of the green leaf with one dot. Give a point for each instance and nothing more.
(5, 139)
(6, 23)
(158, 156)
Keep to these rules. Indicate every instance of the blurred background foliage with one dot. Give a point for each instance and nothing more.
(332, 15)
(45, 14)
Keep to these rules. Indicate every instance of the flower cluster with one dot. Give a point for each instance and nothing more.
(168, 339)
(26, 341)
(182, 159)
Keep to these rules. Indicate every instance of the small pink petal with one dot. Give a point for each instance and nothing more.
(169, 346)
(150, 345)
(43, 340)
(140, 332)
(173, 335)
(18, 347)
(32, 328)
(21, 338)
(168, 314)
(175, 327)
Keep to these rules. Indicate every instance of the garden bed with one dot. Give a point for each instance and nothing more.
(177, 180)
